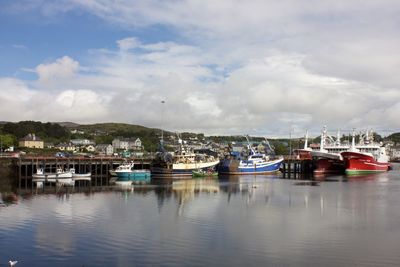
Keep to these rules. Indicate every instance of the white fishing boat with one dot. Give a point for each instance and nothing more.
(181, 163)
(60, 176)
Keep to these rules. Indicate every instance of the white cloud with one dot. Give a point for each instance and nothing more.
(254, 66)
(64, 67)
(128, 43)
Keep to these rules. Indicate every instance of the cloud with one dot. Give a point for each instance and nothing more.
(128, 43)
(62, 68)
(19, 46)
(263, 96)
(14, 98)
(256, 66)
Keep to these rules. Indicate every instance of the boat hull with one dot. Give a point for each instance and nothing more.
(233, 166)
(181, 170)
(65, 177)
(328, 166)
(134, 176)
(359, 163)
(82, 177)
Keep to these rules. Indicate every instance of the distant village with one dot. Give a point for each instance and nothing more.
(125, 147)
(133, 146)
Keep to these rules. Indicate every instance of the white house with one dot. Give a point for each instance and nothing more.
(90, 148)
(125, 144)
(66, 147)
(82, 142)
(105, 149)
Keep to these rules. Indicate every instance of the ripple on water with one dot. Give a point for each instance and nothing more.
(273, 223)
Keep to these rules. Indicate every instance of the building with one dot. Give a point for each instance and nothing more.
(394, 152)
(82, 142)
(90, 148)
(126, 144)
(105, 149)
(66, 147)
(75, 131)
(31, 141)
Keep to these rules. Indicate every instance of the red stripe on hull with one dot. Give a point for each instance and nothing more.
(360, 162)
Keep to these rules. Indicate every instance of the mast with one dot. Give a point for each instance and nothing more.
(323, 136)
(353, 141)
(161, 148)
(338, 137)
(306, 140)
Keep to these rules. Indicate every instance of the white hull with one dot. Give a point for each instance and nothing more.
(194, 166)
(83, 176)
(53, 177)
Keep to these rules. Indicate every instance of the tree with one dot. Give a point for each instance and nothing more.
(7, 140)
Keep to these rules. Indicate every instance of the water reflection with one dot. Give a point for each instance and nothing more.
(231, 221)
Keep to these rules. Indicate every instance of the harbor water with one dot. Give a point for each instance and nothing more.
(230, 221)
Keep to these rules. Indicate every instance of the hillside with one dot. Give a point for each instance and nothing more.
(395, 137)
(67, 124)
(115, 128)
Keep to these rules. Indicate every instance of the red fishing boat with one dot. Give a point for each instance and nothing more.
(327, 160)
(367, 157)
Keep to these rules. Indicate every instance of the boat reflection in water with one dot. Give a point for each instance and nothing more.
(232, 221)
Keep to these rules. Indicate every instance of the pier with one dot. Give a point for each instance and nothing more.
(99, 167)
(22, 169)
(293, 168)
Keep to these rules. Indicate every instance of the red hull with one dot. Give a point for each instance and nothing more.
(328, 166)
(359, 163)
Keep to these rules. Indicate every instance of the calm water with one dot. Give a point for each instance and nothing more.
(246, 221)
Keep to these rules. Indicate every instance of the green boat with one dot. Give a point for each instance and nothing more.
(204, 173)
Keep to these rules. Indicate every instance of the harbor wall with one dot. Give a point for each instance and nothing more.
(7, 174)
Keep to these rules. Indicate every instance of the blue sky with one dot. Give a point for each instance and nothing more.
(228, 67)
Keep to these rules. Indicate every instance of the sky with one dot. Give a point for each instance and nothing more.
(259, 67)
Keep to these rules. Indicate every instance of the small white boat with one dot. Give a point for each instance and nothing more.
(80, 176)
(59, 176)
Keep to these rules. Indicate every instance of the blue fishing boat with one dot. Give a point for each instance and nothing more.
(127, 173)
(252, 163)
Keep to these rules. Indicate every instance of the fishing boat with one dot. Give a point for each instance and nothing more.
(127, 173)
(303, 153)
(252, 163)
(367, 157)
(61, 177)
(181, 163)
(328, 160)
(204, 173)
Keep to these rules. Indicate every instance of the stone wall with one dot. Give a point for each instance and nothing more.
(7, 175)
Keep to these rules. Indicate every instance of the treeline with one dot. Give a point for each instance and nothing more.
(50, 132)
